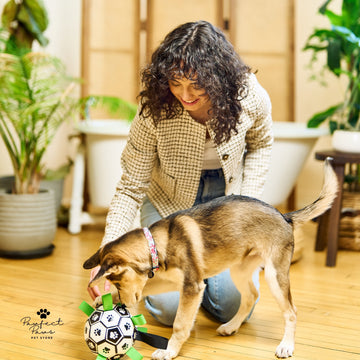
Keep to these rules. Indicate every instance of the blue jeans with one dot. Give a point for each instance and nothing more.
(221, 298)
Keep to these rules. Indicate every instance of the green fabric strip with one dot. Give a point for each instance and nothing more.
(86, 308)
(138, 319)
(134, 354)
(142, 329)
(107, 302)
(100, 357)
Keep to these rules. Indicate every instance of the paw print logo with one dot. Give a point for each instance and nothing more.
(113, 335)
(97, 332)
(43, 313)
(106, 350)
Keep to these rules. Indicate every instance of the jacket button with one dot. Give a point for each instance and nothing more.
(225, 157)
(231, 179)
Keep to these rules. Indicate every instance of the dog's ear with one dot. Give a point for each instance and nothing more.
(102, 272)
(105, 270)
(92, 261)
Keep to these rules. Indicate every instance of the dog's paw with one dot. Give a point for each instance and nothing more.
(226, 330)
(97, 302)
(284, 350)
(163, 355)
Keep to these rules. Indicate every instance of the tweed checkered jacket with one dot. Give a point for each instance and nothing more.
(164, 161)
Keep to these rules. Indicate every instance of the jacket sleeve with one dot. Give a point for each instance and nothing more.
(137, 161)
(259, 141)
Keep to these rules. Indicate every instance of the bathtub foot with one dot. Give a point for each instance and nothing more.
(77, 201)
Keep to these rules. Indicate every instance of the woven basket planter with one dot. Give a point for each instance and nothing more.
(349, 231)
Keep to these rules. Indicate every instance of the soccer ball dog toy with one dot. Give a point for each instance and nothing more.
(110, 331)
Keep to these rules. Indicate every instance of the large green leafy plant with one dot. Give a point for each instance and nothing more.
(341, 43)
(34, 101)
(36, 95)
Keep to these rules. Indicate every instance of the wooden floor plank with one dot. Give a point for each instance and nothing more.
(327, 299)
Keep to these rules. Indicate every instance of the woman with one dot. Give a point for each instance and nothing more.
(203, 130)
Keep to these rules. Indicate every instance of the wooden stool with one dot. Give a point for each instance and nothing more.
(328, 229)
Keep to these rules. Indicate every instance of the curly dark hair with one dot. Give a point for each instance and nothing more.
(200, 52)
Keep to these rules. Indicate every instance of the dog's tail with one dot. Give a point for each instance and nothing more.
(324, 201)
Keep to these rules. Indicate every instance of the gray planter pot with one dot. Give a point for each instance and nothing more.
(57, 186)
(7, 182)
(27, 224)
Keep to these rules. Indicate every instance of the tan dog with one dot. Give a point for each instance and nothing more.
(233, 232)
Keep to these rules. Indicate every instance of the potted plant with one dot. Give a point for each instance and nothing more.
(37, 96)
(341, 43)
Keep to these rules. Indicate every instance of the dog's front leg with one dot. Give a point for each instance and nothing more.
(189, 303)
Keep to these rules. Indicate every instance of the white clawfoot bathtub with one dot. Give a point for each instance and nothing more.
(105, 140)
(293, 143)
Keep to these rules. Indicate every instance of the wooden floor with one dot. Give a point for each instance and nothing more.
(327, 299)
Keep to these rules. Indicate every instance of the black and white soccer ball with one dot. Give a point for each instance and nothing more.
(110, 333)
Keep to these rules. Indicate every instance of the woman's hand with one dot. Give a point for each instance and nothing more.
(94, 291)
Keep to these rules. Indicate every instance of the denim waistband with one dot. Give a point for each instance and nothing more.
(212, 173)
(211, 185)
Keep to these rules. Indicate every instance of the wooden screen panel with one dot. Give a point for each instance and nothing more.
(164, 16)
(111, 48)
(113, 24)
(262, 33)
(272, 75)
(260, 26)
(113, 74)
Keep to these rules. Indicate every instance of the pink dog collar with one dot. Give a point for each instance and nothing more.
(153, 251)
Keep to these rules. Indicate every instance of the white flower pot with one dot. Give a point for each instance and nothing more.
(346, 141)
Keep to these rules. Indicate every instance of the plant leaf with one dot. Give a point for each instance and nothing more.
(333, 125)
(346, 34)
(60, 172)
(9, 13)
(317, 119)
(114, 105)
(33, 17)
(334, 55)
(351, 13)
(334, 18)
(26, 21)
(323, 7)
